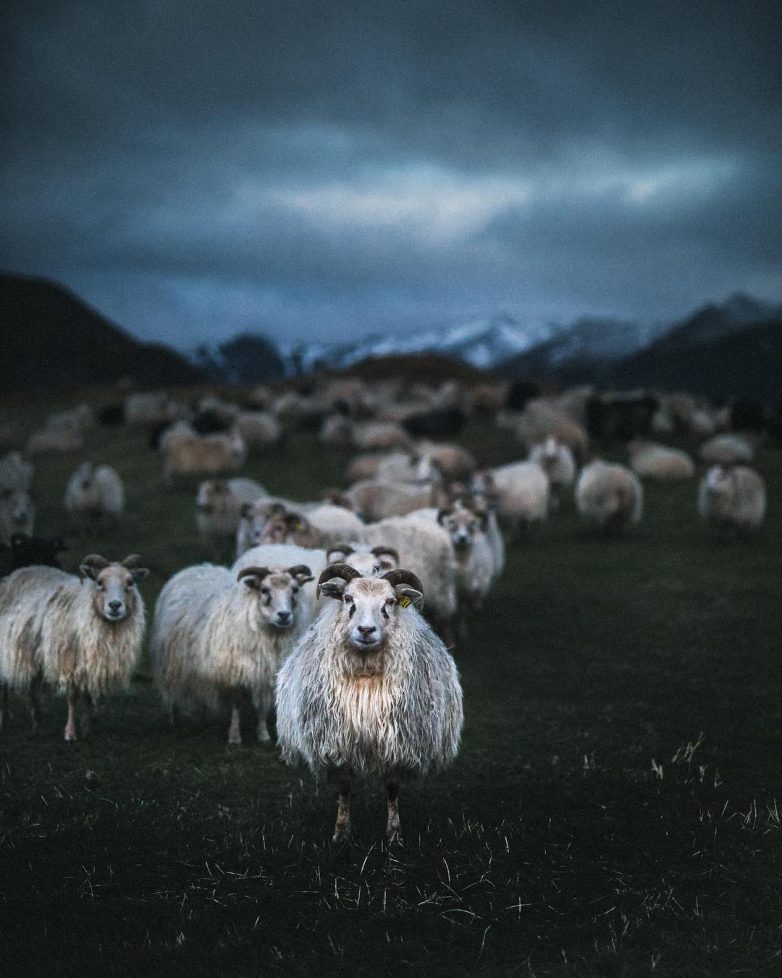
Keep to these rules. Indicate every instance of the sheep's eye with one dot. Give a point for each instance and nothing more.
(347, 599)
(101, 587)
(295, 590)
(265, 591)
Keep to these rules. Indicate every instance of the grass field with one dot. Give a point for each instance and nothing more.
(613, 811)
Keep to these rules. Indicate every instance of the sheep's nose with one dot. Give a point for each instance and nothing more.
(284, 617)
(366, 629)
(115, 605)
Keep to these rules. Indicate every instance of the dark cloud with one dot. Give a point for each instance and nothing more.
(306, 167)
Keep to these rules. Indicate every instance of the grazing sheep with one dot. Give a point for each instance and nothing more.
(193, 454)
(17, 514)
(82, 636)
(733, 497)
(452, 461)
(727, 450)
(259, 429)
(94, 493)
(219, 505)
(659, 462)
(221, 634)
(543, 418)
(519, 490)
(336, 430)
(609, 495)
(369, 688)
(15, 472)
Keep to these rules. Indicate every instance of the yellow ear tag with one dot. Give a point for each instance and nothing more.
(299, 526)
(404, 601)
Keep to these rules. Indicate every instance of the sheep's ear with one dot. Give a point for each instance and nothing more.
(442, 515)
(246, 510)
(333, 588)
(407, 596)
(138, 572)
(92, 565)
(301, 573)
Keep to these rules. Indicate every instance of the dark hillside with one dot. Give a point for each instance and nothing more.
(51, 339)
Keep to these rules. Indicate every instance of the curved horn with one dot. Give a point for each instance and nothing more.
(253, 572)
(343, 548)
(388, 551)
(345, 571)
(400, 576)
(132, 561)
(300, 569)
(95, 561)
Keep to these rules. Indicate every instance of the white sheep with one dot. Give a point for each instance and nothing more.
(609, 495)
(55, 438)
(94, 493)
(369, 688)
(305, 524)
(193, 454)
(732, 496)
(659, 462)
(519, 490)
(379, 436)
(729, 449)
(376, 499)
(221, 634)
(259, 429)
(82, 636)
(17, 514)
(559, 464)
(475, 562)
(219, 505)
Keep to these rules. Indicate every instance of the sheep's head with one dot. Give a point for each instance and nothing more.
(212, 496)
(719, 480)
(254, 517)
(115, 584)
(18, 508)
(85, 475)
(371, 562)
(276, 590)
(370, 605)
(284, 526)
(462, 524)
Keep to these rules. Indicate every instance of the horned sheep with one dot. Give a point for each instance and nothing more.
(82, 635)
(221, 634)
(369, 688)
(732, 496)
(609, 495)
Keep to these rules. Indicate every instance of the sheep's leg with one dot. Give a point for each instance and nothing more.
(235, 729)
(3, 704)
(87, 714)
(392, 800)
(70, 725)
(342, 828)
(263, 705)
(35, 707)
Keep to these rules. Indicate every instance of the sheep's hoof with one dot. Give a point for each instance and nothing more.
(70, 736)
(235, 740)
(264, 737)
(341, 837)
(394, 837)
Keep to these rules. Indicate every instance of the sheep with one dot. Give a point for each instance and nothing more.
(452, 461)
(609, 495)
(219, 505)
(17, 514)
(80, 634)
(94, 493)
(733, 497)
(519, 490)
(376, 499)
(558, 463)
(202, 454)
(259, 429)
(659, 462)
(423, 545)
(220, 634)
(542, 418)
(475, 563)
(727, 450)
(379, 436)
(369, 688)
(288, 555)
(15, 472)
(81, 417)
(309, 526)
(151, 408)
(336, 430)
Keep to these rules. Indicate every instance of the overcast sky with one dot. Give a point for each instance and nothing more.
(325, 170)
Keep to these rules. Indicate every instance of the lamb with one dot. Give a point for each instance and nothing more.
(369, 688)
(659, 462)
(732, 496)
(15, 472)
(220, 634)
(609, 495)
(195, 454)
(219, 505)
(559, 464)
(17, 514)
(94, 493)
(727, 450)
(81, 635)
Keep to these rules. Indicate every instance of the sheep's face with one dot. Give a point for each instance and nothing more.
(462, 525)
(16, 504)
(276, 591)
(116, 593)
(370, 609)
(282, 526)
(719, 482)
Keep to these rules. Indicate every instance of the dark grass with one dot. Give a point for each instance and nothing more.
(613, 811)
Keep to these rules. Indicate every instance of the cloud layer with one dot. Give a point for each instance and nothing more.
(198, 168)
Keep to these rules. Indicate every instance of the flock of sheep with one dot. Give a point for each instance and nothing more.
(363, 680)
